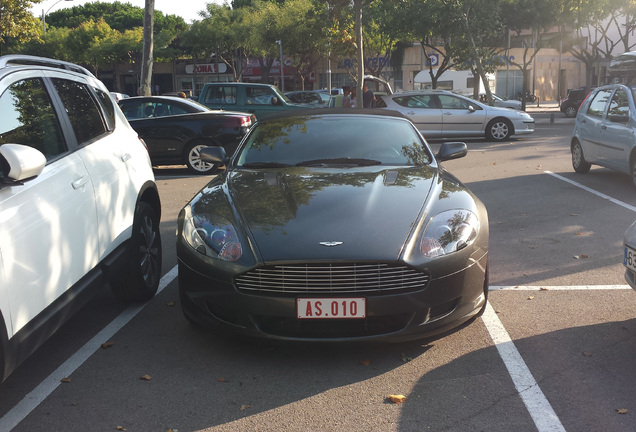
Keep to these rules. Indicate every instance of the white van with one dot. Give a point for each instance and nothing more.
(458, 81)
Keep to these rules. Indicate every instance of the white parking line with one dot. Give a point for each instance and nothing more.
(599, 194)
(558, 288)
(19, 412)
(544, 417)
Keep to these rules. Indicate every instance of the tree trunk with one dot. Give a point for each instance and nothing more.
(357, 5)
(146, 62)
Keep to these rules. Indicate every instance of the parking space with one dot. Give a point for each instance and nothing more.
(553, 352)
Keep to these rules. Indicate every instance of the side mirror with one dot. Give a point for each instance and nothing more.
(452, 150)
(20, 163)
(214, 155)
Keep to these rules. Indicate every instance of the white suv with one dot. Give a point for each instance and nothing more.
(79, 206)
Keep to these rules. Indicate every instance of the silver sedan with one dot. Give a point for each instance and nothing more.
(440, 113)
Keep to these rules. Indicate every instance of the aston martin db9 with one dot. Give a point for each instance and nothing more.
(333, 225)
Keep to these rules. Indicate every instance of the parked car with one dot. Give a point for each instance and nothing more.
(309, 97)
(605, 130)
(78, 202)
(629, 257)
(119, 96)
(501, 102)
(176, 129)
(570, 105)
(333, 225)
(259, 99)
(440, 113)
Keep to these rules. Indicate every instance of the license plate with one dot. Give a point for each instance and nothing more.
(329, 308)
(630, 258)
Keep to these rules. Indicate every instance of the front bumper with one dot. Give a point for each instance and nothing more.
(444, 304)
(525, 127)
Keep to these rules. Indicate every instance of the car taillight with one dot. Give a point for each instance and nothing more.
(240, 122)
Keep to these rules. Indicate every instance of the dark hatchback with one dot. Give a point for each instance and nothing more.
(570, 105)
(176, 129)
(338, 225)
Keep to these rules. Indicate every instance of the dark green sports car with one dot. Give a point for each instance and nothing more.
(334, 225)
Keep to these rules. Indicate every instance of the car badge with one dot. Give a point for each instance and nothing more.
(330, 243)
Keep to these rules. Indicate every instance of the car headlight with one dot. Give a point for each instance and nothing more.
(212, 236)
(449, 232)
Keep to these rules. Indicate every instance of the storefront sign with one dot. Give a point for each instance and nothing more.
(209, 68)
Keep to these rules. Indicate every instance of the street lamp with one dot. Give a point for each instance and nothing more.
(45, 13)
(282, 76)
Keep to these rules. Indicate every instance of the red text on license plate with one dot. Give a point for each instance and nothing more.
(325, 308)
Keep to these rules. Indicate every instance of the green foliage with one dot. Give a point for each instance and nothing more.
(17, 23)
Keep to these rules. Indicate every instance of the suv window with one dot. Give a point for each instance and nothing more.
(597, 106)
(28, 118)
(83, 111)
(109, 107)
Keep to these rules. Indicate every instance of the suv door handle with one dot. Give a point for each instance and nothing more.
(125, 157)
(80, 182)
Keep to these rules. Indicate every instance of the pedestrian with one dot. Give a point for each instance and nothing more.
(346, 99)
(352, 98)
(368, 98)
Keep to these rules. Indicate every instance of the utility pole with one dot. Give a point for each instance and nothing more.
(147, 57)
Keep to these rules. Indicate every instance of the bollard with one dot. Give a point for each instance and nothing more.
(551, 118)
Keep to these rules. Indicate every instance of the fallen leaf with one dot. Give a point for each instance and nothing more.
(397, 399)
(584, 256)
(543, 289)
(170, 304)
(65, 380)
(244, 407)
(622, 411)
(220, 380)
(576, 257)
(107, 344)
(574, 214)
(145, 377)
(365, 362)
(531, 298)
(120, 428)
(587, 354)
(405, 358)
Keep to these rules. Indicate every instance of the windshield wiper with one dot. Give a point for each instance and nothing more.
(265, 165)
(340, 161)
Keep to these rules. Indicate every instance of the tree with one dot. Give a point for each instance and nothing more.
(17, 23)
(147, 58)
(536, 19)
(597, 24)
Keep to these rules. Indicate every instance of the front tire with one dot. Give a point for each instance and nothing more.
(140, 278)
(498, 130)
(579, 163)
(193, 159)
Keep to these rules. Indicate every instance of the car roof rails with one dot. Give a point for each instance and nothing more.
(27, 60)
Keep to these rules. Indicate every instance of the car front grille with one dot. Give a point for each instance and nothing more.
(330, 278)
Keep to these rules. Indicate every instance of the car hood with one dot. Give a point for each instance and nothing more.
(328, 214)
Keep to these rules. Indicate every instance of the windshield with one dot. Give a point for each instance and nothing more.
(333, 140)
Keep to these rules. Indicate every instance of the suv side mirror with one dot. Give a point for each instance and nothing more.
(20, 163)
